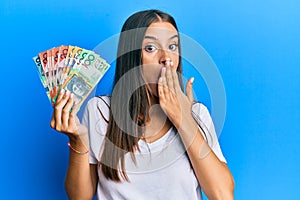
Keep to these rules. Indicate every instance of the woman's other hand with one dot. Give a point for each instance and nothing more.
(65, 120)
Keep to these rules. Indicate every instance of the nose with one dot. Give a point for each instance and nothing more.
(164, 57)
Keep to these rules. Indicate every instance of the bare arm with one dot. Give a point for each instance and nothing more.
(81, 178)
(212, 174)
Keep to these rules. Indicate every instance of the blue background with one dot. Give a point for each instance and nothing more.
(255, 45)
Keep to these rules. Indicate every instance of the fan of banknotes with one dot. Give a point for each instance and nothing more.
(71, 68)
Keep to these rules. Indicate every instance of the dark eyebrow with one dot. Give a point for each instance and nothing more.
(150, 37)
(174, 36)
(154, 38)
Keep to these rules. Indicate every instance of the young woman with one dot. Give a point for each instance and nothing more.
(148, 140)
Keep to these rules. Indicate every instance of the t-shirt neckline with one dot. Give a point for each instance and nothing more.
(157, 144)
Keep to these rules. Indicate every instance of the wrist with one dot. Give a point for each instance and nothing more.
(187, 124)
(77, 151)
(188, 131)
(78, 144)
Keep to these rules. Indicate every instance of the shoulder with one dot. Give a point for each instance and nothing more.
(206, 126)
(205, 123)
(198, 106)
(200, 110)
(102, 101)
(96, 118)
(97, 108)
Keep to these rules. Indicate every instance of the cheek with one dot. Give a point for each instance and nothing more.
(149, 58)
(151, 72)
(175, 59)
(151, 68)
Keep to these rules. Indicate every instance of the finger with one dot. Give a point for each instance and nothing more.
(73, 115)
(75, 108)
(66, 110)
(177, 87)
(169, 79)
(52, 122)
(73, 119)
(161, 86)
(165, 88)
(189, 89)
(60, 95)
(63, 99)
(172, 64)
(161, 92)
(58, 109)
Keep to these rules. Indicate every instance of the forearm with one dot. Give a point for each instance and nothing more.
(80, 182)
(81, 178)
(212, 174)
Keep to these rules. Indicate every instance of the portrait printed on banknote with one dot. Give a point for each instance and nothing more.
(78, 87)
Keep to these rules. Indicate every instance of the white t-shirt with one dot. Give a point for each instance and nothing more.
(162, 169)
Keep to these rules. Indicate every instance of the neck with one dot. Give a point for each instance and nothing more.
(153, 100)
(158, 123)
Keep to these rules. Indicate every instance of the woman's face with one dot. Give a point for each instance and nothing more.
(78, 89)
(160, 44)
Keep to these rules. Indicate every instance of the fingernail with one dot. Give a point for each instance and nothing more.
(192, 80)
(62, 91)
(167, 63)
(163, 70)
(67, 92)
(160, 80)
(171, 63)
(72, 95)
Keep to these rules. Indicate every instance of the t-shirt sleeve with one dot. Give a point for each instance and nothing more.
(96, 125)
(206, 125)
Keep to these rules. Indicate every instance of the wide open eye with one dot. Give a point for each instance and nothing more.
(150, 48)
(173, 47)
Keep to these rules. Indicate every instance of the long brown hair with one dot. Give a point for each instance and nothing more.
(129, 100)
